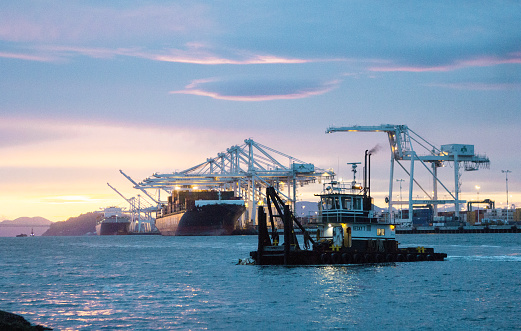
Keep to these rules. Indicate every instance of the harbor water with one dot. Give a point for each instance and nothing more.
(154, 282)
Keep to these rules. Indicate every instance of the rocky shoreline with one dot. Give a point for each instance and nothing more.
(14, 322)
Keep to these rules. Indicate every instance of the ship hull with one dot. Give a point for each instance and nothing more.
(206, 220)
(111, 229)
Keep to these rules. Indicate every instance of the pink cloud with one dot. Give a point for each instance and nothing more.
(94, 52)
(210, 60)
(27, 57)
(193, 89)
(412, 69)
(194, 55)
(200, 54)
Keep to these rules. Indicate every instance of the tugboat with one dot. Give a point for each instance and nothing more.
(348, 232)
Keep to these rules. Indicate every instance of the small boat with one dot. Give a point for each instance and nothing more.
(21, 235)
(348, 231)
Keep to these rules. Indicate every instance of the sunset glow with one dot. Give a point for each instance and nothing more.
(89, 88)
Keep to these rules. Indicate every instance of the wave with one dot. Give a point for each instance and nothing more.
(500, 258)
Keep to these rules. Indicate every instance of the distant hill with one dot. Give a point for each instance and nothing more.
(82, 225)
(27, 221)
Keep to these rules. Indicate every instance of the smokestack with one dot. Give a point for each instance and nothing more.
(369, 176)
(365, 172)
(375, 149)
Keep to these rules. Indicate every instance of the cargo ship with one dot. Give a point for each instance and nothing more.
(114, 222)
(347, 231)
(200, 213)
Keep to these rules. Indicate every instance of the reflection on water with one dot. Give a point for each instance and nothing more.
(152, 282)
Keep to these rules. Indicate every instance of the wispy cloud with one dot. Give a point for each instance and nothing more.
(79, 22)
(70, 199)
(477, 86)
(258, 91)
(28, 57)
(254, 59)
(19, 132)
(191, 55)
(512, 58)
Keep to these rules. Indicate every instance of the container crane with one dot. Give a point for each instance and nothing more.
(246, 169)
(139, 223)
(401, 140)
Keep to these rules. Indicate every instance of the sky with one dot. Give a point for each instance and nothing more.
(91, 87)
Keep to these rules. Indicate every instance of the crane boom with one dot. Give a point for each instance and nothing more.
(136, 185)
(121, 195)
(398, 135)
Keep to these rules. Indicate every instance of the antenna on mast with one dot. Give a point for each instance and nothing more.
(353, 169)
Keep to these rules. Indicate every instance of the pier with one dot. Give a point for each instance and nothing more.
(461, 229)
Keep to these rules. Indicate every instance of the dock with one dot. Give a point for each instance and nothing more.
(461, 229)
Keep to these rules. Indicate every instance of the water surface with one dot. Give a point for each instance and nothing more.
(154, 282)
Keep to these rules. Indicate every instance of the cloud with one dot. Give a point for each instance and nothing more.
(70, 199)
(488, 61)
(17, 132)
(257, 90)
(27, 57)
(199, 53)
(191, 55)
(271, 33)
(477, 86)
(46, 143)
(255, 59)
(78, 22)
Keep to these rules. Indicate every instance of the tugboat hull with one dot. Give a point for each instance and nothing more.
(274, 255)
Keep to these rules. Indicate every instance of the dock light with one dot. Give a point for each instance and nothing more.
(329, 225)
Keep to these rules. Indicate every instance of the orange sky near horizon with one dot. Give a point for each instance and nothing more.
(65, 177)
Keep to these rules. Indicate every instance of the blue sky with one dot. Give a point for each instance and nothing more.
(91, 87)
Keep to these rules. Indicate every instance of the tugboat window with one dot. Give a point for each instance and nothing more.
(380, 232)
(357, 204)
(327, 204)
(346, 203)
(337, 204)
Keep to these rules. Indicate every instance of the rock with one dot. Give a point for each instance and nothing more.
(13, 322)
